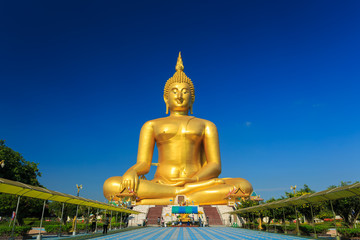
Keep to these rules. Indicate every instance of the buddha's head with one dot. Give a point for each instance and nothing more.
(179, 92)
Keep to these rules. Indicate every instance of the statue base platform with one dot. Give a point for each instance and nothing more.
(217, 216)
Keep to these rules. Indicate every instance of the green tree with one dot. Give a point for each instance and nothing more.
(348, 208)
(305, 209)
(18, 169)
(325, 212)
(275, 213)
(69, 210)
(245, 204)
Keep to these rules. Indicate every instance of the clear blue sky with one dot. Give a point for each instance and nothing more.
(280, 79)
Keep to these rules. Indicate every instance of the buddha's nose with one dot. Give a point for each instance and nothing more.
(179, 95)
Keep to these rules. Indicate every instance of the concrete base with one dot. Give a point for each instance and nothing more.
(138, 219)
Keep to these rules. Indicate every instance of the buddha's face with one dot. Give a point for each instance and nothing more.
(179, 98)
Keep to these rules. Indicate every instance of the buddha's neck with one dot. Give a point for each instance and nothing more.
(179, 113)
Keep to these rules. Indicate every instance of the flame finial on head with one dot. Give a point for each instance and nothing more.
(179, 65)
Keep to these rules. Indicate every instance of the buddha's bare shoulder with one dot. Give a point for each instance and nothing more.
(206, 123)
(155, 122)
(191, 119)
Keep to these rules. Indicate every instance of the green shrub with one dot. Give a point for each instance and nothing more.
(309, 229)
(4, 223)
(34, 222)
(81, 226)
(322, 228)
(306, 229)
(348, 233)
(31, 222)
(115, 224)
(52, 228)
(31, 219)
(281, 228)
(18, 231)
(271, 227)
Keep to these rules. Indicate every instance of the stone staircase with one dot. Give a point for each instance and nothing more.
(153, 214)
(213, 215)
(227, 219)
(136, 219)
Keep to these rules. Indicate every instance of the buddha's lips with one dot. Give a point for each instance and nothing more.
(179, 100)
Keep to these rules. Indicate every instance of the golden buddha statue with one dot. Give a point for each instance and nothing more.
(189, 156)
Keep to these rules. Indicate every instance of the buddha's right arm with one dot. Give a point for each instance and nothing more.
(145, 149)
(143, 164)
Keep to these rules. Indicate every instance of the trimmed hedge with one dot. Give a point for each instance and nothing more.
(79, 227)
(281, 228)
(36, 222)
(18, 231)
(65, 228)
(305, 229)
(348, 233)
(309, 229)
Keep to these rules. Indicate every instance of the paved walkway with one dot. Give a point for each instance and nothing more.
(179, 233)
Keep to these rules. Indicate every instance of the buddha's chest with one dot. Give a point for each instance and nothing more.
(179, 130)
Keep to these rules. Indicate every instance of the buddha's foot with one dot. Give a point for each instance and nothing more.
(126, 194)
(191, 187)
(156, 201)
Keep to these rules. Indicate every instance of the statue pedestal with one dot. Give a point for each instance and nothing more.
(138, 219)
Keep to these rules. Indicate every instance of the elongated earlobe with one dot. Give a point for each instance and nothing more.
(167, 104)
(191, 109)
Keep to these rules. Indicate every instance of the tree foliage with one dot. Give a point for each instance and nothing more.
(347, 208)
(272, 214)
(305, 209)
(18, 169)
(55, 209)
(245, 204)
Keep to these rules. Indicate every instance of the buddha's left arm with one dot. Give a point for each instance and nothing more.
(212, 152)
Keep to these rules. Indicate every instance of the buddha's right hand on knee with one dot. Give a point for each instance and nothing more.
(130, 181)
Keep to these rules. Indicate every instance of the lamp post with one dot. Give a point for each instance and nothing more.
(294, 189)
(79, 187)
(297, 220)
